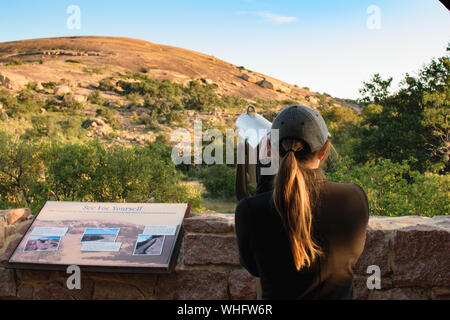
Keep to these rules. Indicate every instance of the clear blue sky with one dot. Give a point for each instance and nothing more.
(323, 44)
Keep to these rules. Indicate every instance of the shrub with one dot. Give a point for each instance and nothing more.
(32, 85)
(200, 97)
(49, 85)
(148, 120)
(25, 102)
(176, 117)
(218, 180)
(71, 169)
(7, 99)
(71, 104)
(196, 96)
(96, 98)
(163, 139)
(135, 99)
(71, 126)
(43, 126)
(51, 103)
(114, 104)
(343, 124)
(93, 70)
(135, 117)
(26, 96)
(73, 61)
(106, 85)
(394, 189)
(230, 101)
(21, 173)
(109, 116)
(15, 62)
(269, 115)
(91, 172)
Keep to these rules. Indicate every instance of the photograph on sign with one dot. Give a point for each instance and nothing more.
(100, 234)
(42, 243)
(149, 245)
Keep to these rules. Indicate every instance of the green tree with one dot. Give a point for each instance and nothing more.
(21, 171)
(72, 168)
(437, 111)
(218, 180)
(343, 124)
(90, 172)
(43, 126)
(412, 122)
(25, 102)
(394, 188)
(376, 90)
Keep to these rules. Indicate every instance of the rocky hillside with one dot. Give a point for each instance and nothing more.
(86, 71)
(46, 60)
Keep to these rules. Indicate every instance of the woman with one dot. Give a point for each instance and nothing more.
(302, 238)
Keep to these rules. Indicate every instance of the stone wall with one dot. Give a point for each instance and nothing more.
(413, 254)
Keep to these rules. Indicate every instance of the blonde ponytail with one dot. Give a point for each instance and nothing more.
(293, 197)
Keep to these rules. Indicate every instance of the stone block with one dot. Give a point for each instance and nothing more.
(31, 276)
(193, 285)
(360, 291)
(242, 285)
(52, 291)
(11, 245)
(7, 283)
(210, 223)
(398, 294)
(440, 293)
(106, 290)
(200, 249)
(25, 291)
(376, 252)
(422, 257)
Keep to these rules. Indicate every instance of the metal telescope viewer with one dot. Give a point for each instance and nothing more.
(248, 124)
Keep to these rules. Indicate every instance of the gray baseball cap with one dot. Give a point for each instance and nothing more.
(302, 123)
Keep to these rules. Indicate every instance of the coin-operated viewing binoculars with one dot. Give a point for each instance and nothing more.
(253, 131)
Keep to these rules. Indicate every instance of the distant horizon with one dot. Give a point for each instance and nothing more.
(326, 46)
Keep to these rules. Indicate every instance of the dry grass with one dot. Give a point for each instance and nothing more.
(219, 205)
(212, 204)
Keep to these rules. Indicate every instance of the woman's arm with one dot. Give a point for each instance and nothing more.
(243, 228)
(361, 218)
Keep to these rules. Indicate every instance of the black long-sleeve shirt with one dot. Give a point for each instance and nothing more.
(339, 224)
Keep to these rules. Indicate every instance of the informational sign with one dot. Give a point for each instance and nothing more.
(122, 237)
